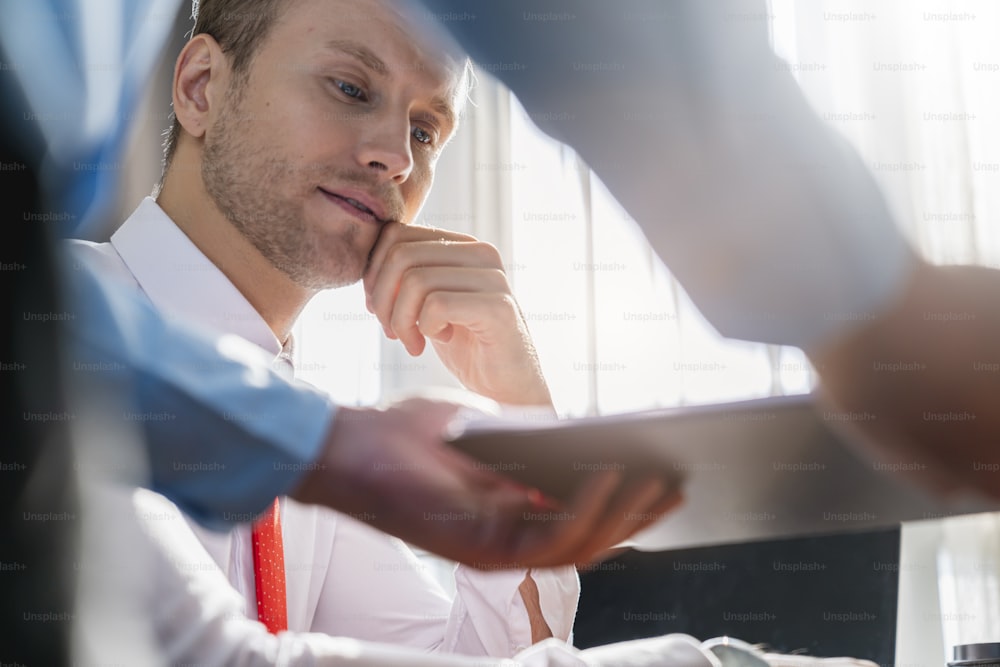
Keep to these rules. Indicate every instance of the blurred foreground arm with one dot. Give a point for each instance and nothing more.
(770, 220)
(924, 377)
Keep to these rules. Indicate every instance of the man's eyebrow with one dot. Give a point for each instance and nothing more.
(361, 52)
(439, 104)
(443, 108)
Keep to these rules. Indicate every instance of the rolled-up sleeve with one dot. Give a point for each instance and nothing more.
(489, 616)
(485, 617)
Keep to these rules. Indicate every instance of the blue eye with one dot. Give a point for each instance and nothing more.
(422, 135)
(350, 89)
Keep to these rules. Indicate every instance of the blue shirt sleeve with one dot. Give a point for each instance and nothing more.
(223, 433)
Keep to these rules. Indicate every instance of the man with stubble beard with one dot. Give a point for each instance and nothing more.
(305, 142)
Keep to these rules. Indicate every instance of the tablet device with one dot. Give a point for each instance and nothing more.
(751, 470)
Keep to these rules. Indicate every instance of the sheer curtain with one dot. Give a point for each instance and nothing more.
(614, 330)
(914, 84)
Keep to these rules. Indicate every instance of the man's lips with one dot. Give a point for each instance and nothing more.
(357, 204)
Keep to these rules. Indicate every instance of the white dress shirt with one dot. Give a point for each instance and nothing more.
(154, 580)
(343, 578)
(156, 597)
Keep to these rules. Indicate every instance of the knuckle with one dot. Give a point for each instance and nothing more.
(435, 304)
(504, 305)
(395, 256)
(497, 309)
(499, 280)
(488, 254)
(399, 323)
(392, 231)
(415, 278)
(378, 303)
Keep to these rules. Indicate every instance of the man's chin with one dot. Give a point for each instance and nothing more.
(336, 277)
(343, 264)
(320, 278)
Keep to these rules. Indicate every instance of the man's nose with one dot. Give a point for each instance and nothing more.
(385, 148)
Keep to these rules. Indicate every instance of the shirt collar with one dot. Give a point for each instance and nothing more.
(180, 280)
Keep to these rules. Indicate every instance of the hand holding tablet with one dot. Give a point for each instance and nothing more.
(751, 470)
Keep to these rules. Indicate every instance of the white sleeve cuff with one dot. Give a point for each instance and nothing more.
(497, 615)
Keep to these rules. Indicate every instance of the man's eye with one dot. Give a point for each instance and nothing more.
(350, 89)
(422, 135)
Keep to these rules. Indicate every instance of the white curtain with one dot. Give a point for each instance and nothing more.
(614, 330)
(914, 84)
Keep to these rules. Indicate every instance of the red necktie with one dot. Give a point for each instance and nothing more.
(269, 570)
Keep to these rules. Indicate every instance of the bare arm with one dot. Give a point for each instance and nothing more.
(928, 371)
(529, 593)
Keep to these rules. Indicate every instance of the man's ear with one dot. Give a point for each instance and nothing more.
(200, 74)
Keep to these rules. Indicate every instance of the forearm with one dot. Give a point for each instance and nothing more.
(923, 378)
(528, 590)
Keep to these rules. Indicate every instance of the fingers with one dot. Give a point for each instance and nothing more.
(622, 516)
(478, 312)
(643, 515)
(551, 538)
(605, 512)
(409, 263)
(391, 469)
(401, 312)
(436, 251)
(395, 234)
